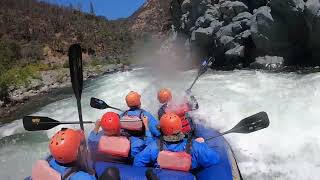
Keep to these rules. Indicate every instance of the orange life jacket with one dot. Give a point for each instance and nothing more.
(180, 161)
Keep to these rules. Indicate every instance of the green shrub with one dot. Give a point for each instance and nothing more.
(20, 75)
(95, 62)
(65, 64)
(32, 51)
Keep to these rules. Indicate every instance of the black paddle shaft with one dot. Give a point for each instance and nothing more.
(76, 73)
(39, 123)
(203, 68)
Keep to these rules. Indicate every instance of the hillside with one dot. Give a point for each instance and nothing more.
(34, 39)
(153, 17)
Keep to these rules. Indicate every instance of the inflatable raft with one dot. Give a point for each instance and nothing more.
(226, 169)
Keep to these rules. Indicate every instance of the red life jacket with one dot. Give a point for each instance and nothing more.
(132, 123)
(181, 111)
(118, 146)
(180, 161)
(41, 170)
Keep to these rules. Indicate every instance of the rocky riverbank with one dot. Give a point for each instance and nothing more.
(51, 86)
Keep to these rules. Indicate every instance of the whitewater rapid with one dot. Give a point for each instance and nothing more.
(288, 149)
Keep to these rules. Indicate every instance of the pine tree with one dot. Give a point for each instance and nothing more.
(91, 8)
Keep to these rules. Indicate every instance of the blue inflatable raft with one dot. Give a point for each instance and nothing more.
(226, 169)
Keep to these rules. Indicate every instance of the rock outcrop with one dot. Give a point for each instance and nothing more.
(237, 32)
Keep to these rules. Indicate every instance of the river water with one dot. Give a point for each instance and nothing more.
(288, 149)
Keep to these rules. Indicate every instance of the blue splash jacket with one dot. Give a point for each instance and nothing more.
(202, 156)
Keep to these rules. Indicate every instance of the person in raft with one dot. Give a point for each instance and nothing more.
(174, 151)
(111, 143)
(131, 120)
(64, 161)
(190, 103)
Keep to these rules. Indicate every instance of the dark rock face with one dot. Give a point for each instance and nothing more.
(239, 31)
(312, 17)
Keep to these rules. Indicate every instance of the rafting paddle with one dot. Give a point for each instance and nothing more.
(248, 125)
(203, 68)
(100, 104)
(38, 123)
(76, 73)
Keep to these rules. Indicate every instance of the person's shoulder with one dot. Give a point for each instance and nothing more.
(95, 136)
(199, 145)
(80, 175)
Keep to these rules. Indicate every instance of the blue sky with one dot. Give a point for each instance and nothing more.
(112, 9)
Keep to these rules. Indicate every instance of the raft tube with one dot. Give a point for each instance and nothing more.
(226, 169)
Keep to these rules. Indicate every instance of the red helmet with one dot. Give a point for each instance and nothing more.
(170, 124)
(64, 145)
(110, 123)
(164, 95)
(133, 99)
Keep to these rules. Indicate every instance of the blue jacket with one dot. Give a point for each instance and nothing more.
(201, 155)
(79, 175)
(137, 144)
(153, 122)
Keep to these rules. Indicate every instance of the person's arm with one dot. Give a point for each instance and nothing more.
(153, 124)
(192, 101)
(148, 134)
(97, 126)
(147, 156)
(93, 139)
(203, 155)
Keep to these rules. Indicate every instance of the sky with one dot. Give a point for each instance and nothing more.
(111, 9)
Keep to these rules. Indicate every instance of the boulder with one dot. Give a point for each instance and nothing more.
(198, 8)
(242, 16)
(234, 56)
(225, 31)
(186, 6)
(205, 21)
(227, 42)
(199, 21)
(202, 36)
(236, 27)
(269, 34)
(235, 52)
(230, 9)
(281, 30)
(214, 11)
(312, 16)
(268, 63)
(216, 25)
(255, 4)
(240, 38)
(231, 29)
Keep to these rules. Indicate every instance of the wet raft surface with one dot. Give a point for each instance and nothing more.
(225, 170)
